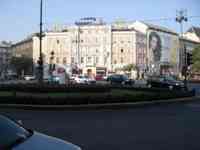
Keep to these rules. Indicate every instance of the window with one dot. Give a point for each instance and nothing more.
(58, 42)
(97, 51)
(115, 62)
(122, 50)
(64, 60)
(82, 59)
(89, 59)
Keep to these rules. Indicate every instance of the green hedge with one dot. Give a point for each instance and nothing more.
(35, 88)
(115, 96)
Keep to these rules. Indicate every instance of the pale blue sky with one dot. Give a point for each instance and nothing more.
(19, 18)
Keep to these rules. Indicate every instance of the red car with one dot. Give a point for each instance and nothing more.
(99, 77)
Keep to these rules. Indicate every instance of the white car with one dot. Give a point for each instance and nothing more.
(15, 137)
(80, 79)
(29, 77)
(90, 80)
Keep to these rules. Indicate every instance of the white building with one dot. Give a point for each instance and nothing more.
(123, 47)
(90, 46)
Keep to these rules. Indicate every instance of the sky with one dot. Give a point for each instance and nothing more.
(20, 18)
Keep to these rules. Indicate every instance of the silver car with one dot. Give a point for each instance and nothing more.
(15, 137)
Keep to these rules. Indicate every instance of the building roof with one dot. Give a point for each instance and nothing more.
(188, 40)
(27, 39)
(5, 44)
(195, 30)
(160, 28)
(123, 29)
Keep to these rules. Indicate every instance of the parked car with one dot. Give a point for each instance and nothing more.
(15, 137)
(90, 80)
(80, 79)
(29, 77)
(164, 82)
(99, 77)
(52, 79)
(120, 79)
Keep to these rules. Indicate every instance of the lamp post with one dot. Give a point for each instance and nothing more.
(40, 62)
(181, 16)
(52, 65)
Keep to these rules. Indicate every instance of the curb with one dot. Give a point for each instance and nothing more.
(97, 106)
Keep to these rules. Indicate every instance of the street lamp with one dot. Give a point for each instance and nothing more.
(40, 62)
(181, 16)
(52, 65)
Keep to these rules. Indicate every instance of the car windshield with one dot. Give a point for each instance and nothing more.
(125, 77)
(11, 133)
(170, 78)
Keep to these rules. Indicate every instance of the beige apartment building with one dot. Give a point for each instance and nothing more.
(123, 47)
(57, 42)
(91, 48)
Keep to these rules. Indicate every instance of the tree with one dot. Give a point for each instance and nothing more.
(20, 64)
(196, 59)
(129, 68)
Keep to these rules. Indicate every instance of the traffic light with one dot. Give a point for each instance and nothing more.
(189, 59)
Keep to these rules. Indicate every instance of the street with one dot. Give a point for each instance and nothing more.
(160, 127)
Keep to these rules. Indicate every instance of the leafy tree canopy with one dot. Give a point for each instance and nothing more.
(196, 59)
(129, 67)
(21, 63)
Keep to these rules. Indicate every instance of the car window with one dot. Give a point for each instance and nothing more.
(170, 78)
(10, 132)
(125, 77)
(161, 79)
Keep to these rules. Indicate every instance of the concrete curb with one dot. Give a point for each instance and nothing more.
(97, 106)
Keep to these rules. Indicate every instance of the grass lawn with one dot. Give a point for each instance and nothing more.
(5, 93)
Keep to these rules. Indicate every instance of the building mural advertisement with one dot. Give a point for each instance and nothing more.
(163, 51)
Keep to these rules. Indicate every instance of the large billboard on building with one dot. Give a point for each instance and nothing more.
(163, 50)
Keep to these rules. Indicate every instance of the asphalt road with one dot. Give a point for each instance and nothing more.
(160, 127)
